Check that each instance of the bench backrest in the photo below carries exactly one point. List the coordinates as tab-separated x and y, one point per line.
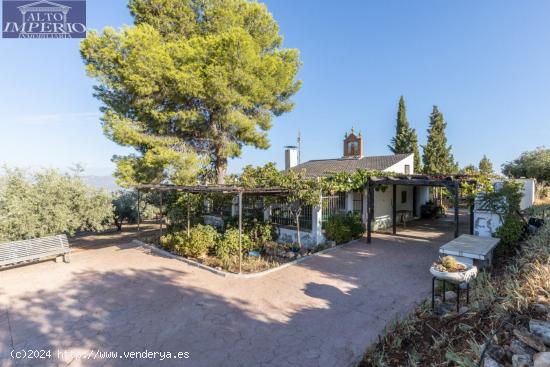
35	249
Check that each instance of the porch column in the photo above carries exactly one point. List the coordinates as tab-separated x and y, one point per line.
394	210
364	205
456	193
349	201
161	213
415	202
240	231
370	211
138	216
472	205
317	224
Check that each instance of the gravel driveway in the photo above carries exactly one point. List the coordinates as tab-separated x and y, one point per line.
322	312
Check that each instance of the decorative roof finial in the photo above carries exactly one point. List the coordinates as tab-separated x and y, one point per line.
352	130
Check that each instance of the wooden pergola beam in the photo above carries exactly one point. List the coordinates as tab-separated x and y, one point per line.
217	189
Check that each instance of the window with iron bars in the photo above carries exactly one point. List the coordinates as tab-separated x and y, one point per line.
284	217
333	205
253	207
358	202
336	205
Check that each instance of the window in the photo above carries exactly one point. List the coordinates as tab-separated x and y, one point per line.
284	217
403	197
407	169
353	148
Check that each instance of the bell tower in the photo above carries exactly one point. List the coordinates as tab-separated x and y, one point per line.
353	145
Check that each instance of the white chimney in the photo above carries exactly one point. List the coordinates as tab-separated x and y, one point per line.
291	157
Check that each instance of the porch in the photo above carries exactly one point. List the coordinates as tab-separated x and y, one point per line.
387	202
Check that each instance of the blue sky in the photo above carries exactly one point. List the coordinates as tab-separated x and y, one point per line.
485	64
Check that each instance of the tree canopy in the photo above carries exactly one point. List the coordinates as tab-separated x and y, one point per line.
189	85
437	156
486	166
405	140
531	164
469	170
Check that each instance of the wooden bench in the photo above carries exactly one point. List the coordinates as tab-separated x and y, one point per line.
18	252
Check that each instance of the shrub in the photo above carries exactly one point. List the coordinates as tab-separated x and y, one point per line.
449	264
229	244
174	242
260	234
201	239
344	228
511	230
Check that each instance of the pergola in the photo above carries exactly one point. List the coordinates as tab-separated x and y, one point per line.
450	182
210	189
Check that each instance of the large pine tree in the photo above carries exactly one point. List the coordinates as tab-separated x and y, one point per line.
437	156
405	139
189	85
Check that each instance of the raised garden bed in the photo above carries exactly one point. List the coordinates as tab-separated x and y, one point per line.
273	255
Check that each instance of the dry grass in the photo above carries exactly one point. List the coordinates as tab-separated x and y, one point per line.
502	298
528	278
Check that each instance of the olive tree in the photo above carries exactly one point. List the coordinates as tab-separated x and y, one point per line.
47	203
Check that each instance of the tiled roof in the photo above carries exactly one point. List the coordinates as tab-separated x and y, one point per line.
324	167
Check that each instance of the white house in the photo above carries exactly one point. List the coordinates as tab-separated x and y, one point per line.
409	198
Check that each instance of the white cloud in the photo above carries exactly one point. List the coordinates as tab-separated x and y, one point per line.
57	118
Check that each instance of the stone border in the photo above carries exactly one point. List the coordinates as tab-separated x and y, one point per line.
227	274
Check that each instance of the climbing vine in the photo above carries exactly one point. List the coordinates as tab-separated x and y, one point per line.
477	184
504	202
350	181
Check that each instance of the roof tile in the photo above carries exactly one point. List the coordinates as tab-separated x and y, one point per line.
324	167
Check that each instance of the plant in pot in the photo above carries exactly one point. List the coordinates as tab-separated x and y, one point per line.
448	268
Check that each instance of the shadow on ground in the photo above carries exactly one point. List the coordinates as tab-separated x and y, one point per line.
323	312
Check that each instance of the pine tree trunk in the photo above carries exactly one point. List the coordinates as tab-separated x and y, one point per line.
221	170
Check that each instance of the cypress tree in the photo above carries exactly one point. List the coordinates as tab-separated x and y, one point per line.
437	156
485	166
405	140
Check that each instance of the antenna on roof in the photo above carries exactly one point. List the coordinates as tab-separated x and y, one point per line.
299	140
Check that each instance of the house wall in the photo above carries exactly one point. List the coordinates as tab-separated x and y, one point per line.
290	236
486	224
422	197
308	238
399	167
528	199
383	204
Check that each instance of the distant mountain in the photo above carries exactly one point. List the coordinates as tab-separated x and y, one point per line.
102	182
